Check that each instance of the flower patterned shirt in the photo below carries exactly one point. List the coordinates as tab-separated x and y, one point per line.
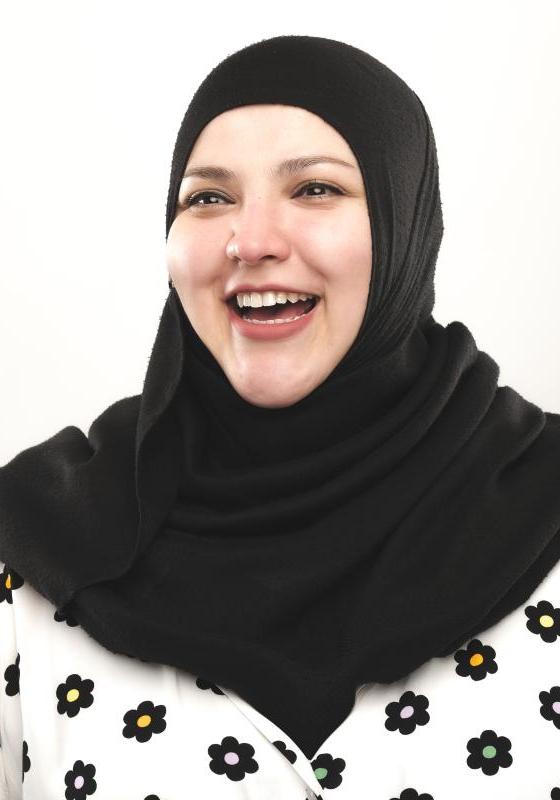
78	721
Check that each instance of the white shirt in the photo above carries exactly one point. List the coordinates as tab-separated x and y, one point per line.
78	721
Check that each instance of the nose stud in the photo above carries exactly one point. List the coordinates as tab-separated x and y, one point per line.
233	250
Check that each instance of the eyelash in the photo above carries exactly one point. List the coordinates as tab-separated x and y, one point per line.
189	200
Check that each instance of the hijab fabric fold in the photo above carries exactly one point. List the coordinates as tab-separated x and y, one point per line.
295	554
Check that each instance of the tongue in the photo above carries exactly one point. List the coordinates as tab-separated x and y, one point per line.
279	311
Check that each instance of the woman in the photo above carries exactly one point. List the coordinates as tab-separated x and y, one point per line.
322	534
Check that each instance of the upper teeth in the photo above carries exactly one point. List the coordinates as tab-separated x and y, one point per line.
258	299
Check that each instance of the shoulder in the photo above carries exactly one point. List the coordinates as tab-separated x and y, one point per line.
116	422
47	488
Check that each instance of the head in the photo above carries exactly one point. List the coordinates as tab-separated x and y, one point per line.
304	229
364	240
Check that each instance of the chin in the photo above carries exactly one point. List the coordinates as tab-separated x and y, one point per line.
261	393
267	399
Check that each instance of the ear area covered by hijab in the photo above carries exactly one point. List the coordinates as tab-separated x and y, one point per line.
405	504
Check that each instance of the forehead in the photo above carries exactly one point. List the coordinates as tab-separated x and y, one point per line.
269	130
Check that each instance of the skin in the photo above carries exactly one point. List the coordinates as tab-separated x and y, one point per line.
262	228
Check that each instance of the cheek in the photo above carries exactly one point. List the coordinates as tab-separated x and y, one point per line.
346	264
337	237
341	251
189	260
356	256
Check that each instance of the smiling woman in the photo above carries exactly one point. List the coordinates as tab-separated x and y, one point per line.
293	225
309	555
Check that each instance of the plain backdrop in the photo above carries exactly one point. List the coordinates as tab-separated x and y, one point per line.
93	94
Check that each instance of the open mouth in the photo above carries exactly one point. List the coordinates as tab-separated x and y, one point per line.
285	311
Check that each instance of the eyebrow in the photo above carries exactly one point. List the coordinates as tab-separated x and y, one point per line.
287	167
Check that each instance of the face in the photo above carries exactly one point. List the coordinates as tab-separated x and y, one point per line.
268	234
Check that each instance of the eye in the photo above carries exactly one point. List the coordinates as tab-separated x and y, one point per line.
316	185
193	199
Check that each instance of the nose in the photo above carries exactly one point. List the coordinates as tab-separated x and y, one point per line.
257	237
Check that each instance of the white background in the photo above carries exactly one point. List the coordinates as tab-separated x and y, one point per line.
93	94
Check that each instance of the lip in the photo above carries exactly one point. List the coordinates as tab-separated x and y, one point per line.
267	332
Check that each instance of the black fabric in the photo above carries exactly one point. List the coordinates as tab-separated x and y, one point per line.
294	554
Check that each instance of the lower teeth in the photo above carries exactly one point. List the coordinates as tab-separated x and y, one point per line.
272	321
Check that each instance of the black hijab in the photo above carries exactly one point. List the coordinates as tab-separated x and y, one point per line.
404	505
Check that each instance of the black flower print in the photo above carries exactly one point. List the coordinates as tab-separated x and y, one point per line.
9	581
476	660
25	760
406	713
74	694
544	619
412	794
489	752
11	674
152	797
550	708
143	721
290	755
555	793
232	758
204	684
63	615
327	770
79	781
